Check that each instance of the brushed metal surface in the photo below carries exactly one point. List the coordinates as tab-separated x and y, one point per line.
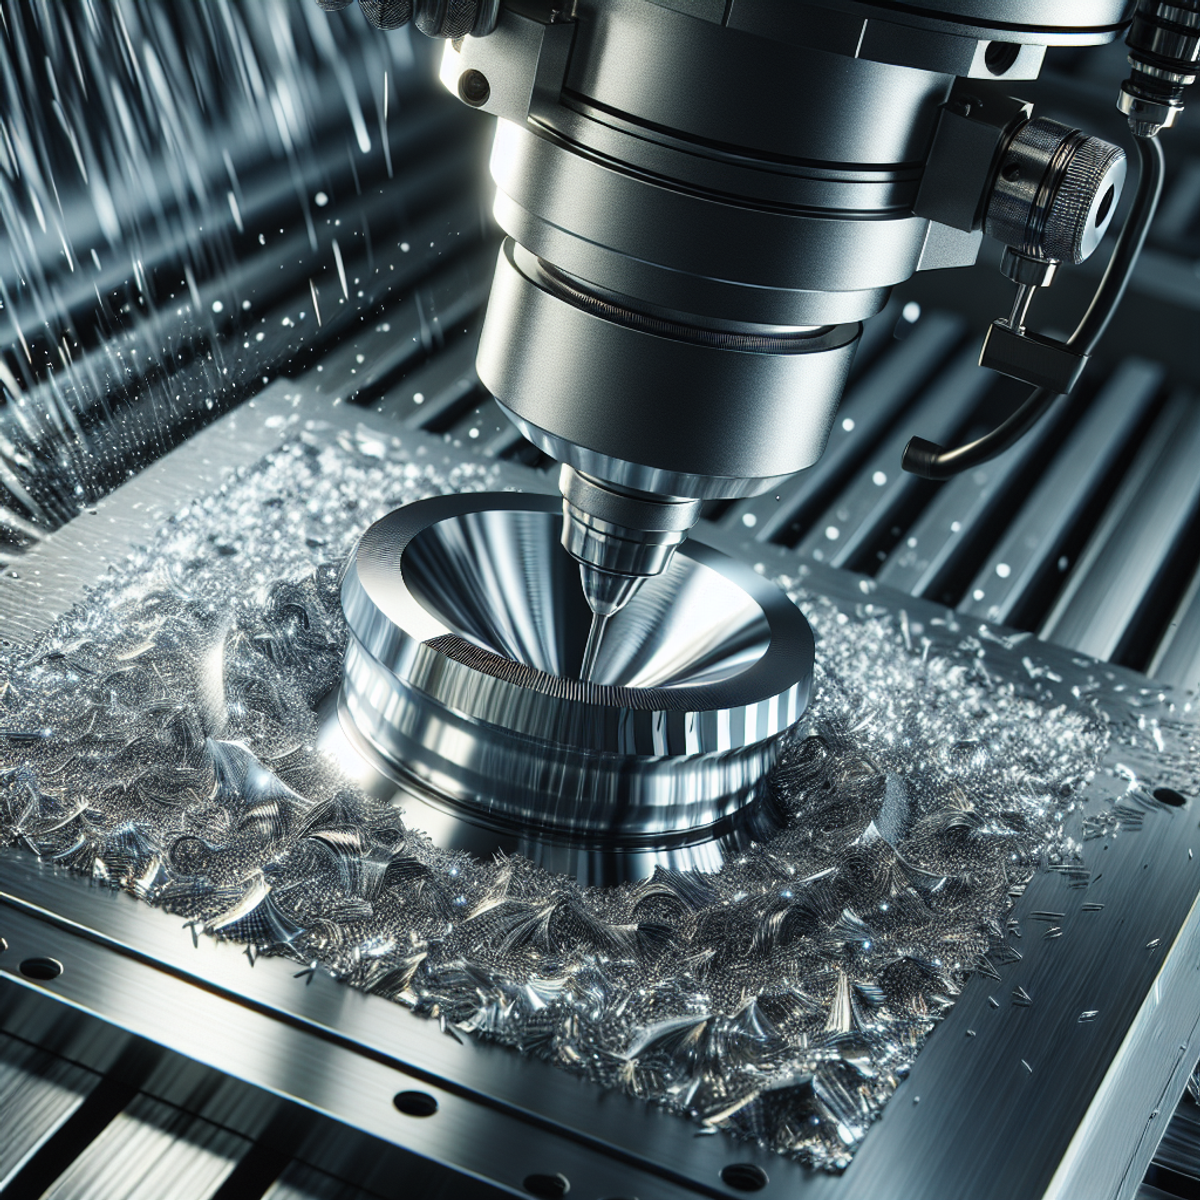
38	1093
151	1150
1080	1119
462	674
1130	546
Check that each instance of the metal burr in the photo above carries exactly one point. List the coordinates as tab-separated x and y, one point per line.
462	685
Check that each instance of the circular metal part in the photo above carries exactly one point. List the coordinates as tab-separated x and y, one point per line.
1147	118
684	242
622	532
1026	271
1057	22
650	411
1164	54
1164	40
467	631
1055	191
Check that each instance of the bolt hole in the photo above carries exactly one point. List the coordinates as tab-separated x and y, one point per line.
744	1177
999	57
1166	795
474	88
1105	206
1011	171
547	1187
415	1104
41	969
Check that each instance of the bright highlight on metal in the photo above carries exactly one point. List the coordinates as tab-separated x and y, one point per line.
462	679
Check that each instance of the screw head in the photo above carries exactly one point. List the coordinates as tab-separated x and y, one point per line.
473	88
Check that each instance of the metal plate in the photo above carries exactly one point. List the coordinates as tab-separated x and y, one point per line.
1007	1099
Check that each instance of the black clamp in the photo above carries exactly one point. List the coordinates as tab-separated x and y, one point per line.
1031	357
1011	349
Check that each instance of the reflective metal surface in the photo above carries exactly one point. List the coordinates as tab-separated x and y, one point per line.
462	682
38	1094
985	1125
618	537
981	1128
1145	522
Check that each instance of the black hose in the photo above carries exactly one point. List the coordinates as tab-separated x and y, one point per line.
931	461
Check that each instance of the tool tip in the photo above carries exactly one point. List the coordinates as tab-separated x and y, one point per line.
591	653
605	591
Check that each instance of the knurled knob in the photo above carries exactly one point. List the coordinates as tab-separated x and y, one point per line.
455	18
437	18
1056	191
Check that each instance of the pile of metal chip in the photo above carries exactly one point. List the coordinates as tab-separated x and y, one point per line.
162	739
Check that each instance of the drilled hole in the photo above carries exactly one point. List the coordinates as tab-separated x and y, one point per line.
3	945
415	1104
41	969
744	1177
1106	204
547	1187
1166	795
1000	56
1011	171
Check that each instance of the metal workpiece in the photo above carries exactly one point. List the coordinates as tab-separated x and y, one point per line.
1080	1079
461	681
1072	1047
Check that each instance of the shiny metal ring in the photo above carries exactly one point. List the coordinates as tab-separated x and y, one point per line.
467	627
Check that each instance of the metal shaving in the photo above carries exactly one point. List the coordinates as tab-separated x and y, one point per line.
162	739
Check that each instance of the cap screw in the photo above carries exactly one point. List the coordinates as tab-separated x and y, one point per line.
473	88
